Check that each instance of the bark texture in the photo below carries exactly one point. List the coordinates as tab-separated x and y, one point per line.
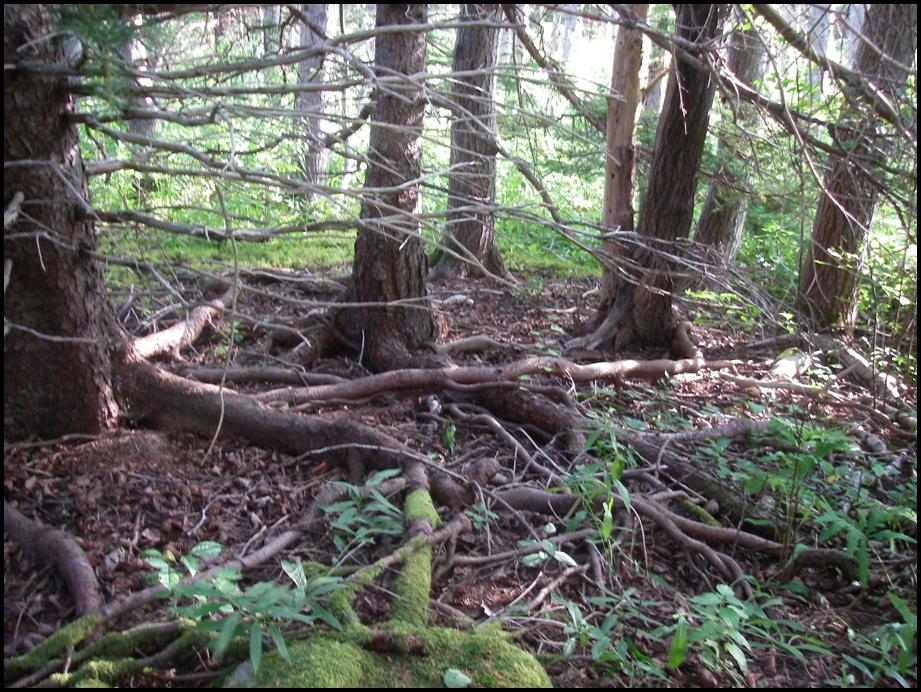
471	222
390	264
310	71
830	276
58	385
723	215
641	308
619	163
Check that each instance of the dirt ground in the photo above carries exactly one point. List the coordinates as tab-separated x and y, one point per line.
133	490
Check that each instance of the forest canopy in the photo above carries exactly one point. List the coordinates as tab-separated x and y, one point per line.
481	344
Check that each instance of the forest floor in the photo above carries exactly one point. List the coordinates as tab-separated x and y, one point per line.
601	611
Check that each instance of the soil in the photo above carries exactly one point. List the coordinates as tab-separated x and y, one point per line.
133	490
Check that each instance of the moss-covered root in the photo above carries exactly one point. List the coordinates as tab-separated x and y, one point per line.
417	657
699	513
405	652
413	585
54	647
418	505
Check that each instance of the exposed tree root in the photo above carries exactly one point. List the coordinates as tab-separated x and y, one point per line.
453	377
881	384
48	546
175	403
471	344
183	333
687	533
276	375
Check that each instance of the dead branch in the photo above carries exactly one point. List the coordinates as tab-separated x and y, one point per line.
184	333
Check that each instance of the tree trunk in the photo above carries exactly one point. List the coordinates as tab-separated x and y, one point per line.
471	220
830	276
310	70
58	387
57	372
723	215
390	264
270	29
641	308
619	163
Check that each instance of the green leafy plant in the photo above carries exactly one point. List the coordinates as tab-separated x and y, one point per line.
220	606
609	643
722	631
360	520
481	516
887	655
449	438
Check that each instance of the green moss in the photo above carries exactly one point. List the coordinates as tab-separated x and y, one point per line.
699	513
412	588
65	638
405	652
103	670
122	644
419	505
484	655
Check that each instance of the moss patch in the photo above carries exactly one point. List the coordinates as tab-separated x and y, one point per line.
485	656
65	638
419	505
405	652
412	588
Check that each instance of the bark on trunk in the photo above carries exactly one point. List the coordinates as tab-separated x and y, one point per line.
641	309
390	264
471	221
723	215
619	164
830	276
56	358
310	70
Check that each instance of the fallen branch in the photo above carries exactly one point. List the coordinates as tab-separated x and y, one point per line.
184	333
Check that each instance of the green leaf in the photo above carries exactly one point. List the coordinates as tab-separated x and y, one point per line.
600	646
192	564
624	494
228	632
206	549
564	558
279	639
455	679
326	616
679	646
295	572
909	617
255	646
739	657
169	577
607	523
381	476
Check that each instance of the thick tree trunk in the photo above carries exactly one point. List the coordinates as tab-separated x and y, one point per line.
310	70
56	359
390	264
830	276
641	308
71	384
471	221
723	215
619	163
